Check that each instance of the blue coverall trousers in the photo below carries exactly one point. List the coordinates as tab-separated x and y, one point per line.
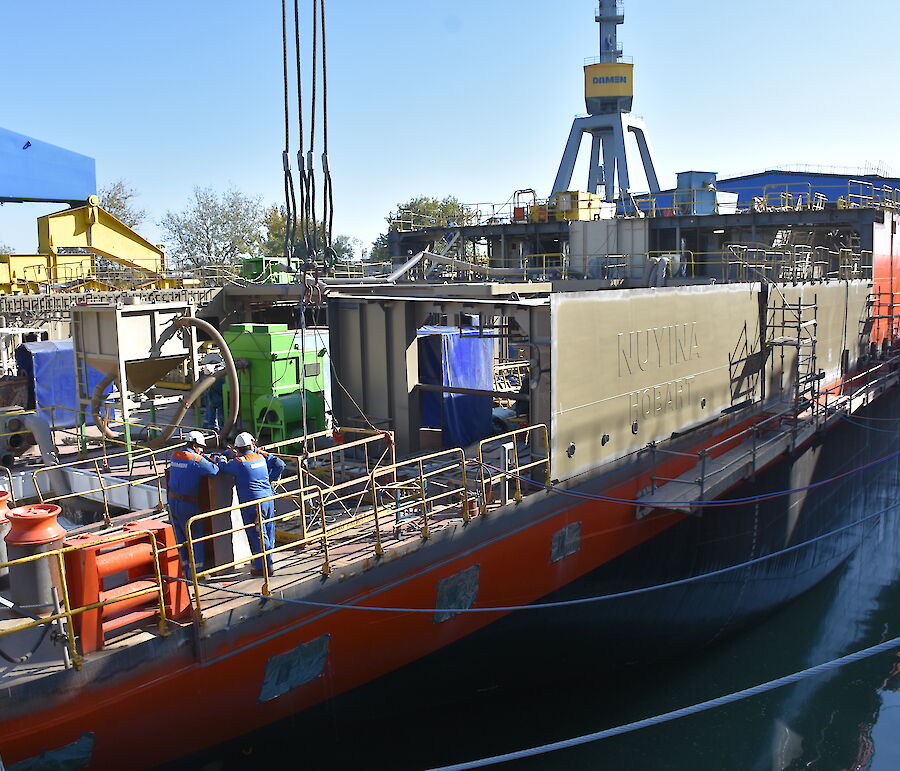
248	514
181	512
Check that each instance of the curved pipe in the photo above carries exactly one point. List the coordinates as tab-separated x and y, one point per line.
234	397
200	387
96	399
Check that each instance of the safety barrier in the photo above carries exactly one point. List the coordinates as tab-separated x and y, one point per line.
813	411
356	511
511	467
738	263
733	263
775	197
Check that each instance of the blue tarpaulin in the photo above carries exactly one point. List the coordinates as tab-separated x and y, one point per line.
51	364
449	356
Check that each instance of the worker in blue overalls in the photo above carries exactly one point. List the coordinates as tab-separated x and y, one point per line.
186	468
254	470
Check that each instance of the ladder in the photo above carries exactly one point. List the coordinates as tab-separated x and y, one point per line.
450	241
792	325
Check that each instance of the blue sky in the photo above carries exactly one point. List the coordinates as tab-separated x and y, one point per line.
472	98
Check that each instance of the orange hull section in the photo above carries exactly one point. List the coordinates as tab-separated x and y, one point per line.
172	707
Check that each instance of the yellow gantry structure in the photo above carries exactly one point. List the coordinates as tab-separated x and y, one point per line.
82	249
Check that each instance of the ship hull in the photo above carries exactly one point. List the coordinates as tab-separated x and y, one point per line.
198	691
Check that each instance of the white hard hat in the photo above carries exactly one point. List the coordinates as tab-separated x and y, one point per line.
243	439
196	437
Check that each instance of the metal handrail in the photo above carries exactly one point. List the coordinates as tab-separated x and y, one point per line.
515	435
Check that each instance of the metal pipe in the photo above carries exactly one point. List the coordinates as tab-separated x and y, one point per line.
511	395
234	399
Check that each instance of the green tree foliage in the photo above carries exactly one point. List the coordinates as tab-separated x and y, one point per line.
116	198
379	251
420	212
4	249
215	229
345	247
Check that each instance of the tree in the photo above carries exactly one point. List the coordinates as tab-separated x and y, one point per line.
215	229
345	247
116	198
379	251
420	212
4	249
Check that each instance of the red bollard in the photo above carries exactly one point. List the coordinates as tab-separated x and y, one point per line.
33	530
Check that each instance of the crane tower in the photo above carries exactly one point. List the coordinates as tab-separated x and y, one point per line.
608	92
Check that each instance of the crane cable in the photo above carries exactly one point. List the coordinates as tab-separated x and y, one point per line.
328	203
290	201
310	154
301	161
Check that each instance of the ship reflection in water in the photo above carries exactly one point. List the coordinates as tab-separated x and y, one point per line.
847	719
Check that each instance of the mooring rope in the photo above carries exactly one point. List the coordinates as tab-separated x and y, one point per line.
666	717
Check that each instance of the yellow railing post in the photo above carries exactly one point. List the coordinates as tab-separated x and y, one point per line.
326	565
106	518
11	501
192	561
163	630
548	480
379	549
159	505
515	450
67	607
465	487
424	495
481	480
36	487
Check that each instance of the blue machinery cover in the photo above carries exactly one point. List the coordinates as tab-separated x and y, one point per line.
32	170
51	365
462	359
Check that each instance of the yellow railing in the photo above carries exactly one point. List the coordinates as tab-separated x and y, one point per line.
546	264
740	263
354	513
360	269
387	496
490	474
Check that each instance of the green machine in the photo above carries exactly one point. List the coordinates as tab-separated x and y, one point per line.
266	270
270	388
